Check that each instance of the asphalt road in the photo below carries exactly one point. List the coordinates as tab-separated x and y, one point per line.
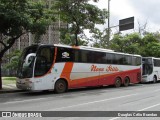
138	97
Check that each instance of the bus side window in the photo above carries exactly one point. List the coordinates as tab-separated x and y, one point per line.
134	61
98	57
84	56
138	61
128	60
118	59
109	58
158	63
77	55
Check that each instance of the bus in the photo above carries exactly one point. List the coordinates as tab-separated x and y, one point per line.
151	69
61	67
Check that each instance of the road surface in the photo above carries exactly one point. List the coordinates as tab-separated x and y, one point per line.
138	97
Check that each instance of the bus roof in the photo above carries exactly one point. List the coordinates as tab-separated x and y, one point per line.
151	58
90	48
94	49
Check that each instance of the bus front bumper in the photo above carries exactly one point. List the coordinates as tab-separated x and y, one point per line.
144	79
24	84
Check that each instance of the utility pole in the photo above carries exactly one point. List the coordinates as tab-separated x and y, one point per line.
108	22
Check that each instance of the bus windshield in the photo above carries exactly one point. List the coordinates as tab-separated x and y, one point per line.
35	61
44	60
147	66
26	62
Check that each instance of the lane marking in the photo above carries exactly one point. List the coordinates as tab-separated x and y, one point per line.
100	100
13	102
115	118
92	102
138	110
149	107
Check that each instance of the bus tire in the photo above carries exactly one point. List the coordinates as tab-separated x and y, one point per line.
126	81
60	86
154	79
118	82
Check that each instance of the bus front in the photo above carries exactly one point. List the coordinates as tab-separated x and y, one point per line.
34	63
147	69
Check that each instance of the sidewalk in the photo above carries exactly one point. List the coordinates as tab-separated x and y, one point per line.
10	88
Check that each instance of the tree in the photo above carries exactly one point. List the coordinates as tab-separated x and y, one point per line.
79	15
69	39
128	43
117	43
152	49
13	59
147	45
18	17
147	41
100	38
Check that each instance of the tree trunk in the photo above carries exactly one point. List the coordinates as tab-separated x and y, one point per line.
2	52
76	37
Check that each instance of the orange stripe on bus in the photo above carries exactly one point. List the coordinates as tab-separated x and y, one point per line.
67	70
88	79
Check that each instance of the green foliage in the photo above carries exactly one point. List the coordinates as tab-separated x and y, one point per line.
13	59
18	17
148	38
69	39
127	43
9	78
135	44
79	15
100	38
152	49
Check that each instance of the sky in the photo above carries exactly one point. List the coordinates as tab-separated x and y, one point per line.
144	11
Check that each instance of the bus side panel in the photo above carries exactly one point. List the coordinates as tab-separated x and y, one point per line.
108	77
157	70
82	76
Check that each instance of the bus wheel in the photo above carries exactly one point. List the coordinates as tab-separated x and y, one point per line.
154	79
60	86
117	82
126	81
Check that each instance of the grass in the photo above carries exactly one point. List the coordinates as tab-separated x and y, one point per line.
8	80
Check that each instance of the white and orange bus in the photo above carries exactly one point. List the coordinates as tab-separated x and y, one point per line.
60	67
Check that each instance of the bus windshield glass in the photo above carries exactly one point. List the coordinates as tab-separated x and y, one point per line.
26	62
147	66
44	60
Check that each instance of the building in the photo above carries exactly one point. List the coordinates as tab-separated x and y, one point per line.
52	35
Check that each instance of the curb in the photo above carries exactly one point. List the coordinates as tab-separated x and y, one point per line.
10	91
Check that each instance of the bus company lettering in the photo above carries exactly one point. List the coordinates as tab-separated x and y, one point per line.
109	68
112	69
96	69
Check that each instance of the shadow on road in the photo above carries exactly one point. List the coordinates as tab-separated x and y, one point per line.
90	90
